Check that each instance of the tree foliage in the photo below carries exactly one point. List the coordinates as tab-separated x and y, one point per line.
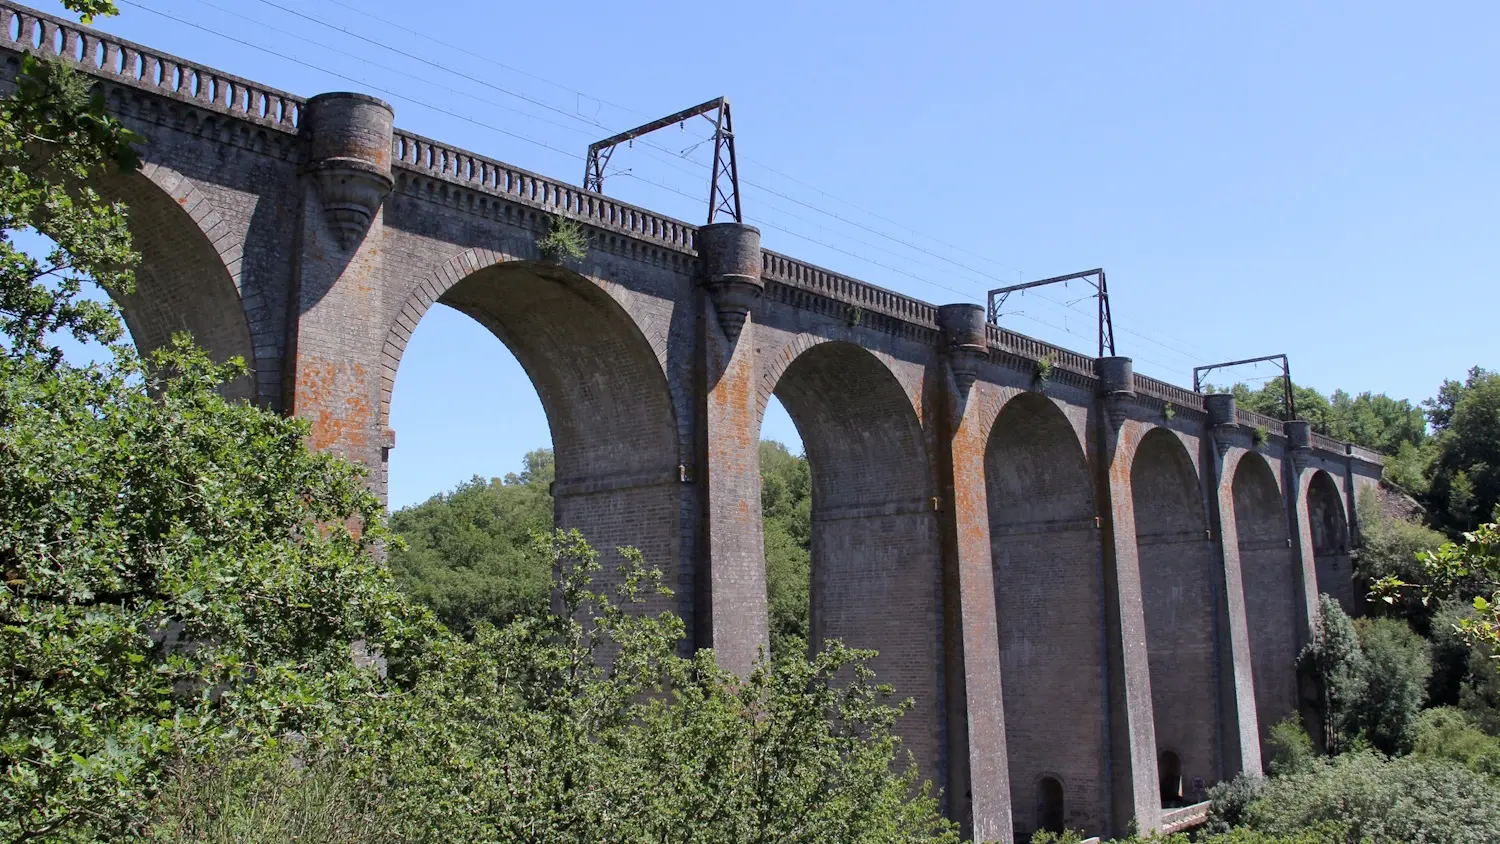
467	553
1334	658
1375	421
586	724
786	508
1381	801
1398	665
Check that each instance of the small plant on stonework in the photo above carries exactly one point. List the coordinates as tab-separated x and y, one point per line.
564	239
1044	368
856	316
1260	436
1168	411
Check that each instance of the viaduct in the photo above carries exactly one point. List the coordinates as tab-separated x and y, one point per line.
1094	586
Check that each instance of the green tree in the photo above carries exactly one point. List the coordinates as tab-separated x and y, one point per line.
1465	483
1392	547
1334	659
467	553
1381	801
1449	734
584	723
1374	421
1397	666
786	508
177	569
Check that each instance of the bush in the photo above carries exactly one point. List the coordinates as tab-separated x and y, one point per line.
1230	800
1448	734
1395	801
1397	667
1291	749
1336	662
268	797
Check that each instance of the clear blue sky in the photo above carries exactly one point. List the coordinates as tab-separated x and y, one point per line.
1311	178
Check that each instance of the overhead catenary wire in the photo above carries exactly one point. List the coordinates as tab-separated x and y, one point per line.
1196	354
334	73
594	123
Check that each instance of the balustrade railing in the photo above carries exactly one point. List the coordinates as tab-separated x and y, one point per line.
1178	396
815	279
1030	347
488	174
23	29
1257	420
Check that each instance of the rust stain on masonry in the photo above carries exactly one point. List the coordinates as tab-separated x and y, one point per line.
332	397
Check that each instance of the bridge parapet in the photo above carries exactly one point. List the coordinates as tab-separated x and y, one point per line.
856	293
414	152
1170	393
1258	420
138	66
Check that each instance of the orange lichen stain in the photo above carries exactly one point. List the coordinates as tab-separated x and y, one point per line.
332	397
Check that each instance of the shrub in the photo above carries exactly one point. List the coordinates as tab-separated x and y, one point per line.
1395	801
1291	748
565	238
1397	667
1448	734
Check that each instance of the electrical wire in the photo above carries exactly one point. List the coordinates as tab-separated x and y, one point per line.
594	123
347	78
645	143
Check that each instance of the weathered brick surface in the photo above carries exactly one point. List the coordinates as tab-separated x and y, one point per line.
1329	525
1177	562
1268	569
1039	576
1049	594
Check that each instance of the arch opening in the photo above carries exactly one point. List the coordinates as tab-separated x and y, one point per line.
875	548
1177	561
608	410
181	283
1268	574
1330	540
1169	775
1049	594
1051	815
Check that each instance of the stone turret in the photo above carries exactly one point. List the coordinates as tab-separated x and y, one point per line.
350	158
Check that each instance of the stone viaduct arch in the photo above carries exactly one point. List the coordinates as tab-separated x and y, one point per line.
183	282
876	555
1049	604
1269	572
614	431
1177	561
1330	540
1035	563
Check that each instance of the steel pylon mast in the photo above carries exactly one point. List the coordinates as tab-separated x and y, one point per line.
724	180
1286	378
1094	278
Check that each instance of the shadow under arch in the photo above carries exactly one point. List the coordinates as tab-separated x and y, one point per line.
182	282
1049	604
1330	540
1177	563
876	553
1268	571
613	425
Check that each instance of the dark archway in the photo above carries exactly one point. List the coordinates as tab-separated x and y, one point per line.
1330	540
1177	560
614	431
1169	775
1268	572
1049	597
181	283
876	553
1051	811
